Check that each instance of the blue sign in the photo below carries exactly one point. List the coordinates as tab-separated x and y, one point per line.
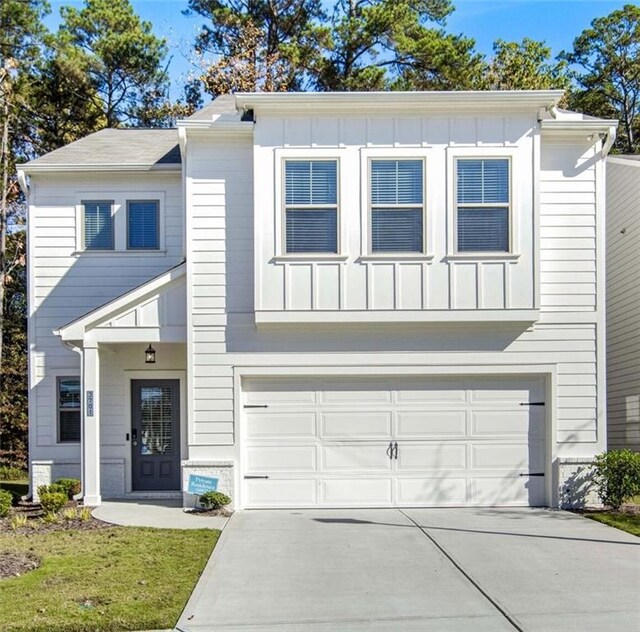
201	484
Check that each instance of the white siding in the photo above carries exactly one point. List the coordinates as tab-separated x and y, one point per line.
66	284
359	284
623	303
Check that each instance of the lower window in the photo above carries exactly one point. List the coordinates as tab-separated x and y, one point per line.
68	398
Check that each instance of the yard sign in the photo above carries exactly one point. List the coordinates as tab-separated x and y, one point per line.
201	484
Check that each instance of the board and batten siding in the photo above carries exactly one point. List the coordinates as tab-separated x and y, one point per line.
66	284
362	282
623	302
223	176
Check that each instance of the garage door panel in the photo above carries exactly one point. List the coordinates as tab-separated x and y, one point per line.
282	425
281	493
355	425
500	456
436	491
356	458
506	391
429	391
507	491
259	392
281	459
498	423
357	492
354	392
431	423
432	456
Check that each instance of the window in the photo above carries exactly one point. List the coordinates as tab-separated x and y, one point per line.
143	225
68	393
482	205
311	206
98	225
397	206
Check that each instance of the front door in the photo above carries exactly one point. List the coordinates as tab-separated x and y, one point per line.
155	434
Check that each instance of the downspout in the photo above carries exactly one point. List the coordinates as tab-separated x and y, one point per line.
610	139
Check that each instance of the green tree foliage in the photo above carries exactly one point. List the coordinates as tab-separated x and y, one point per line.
606	61
13	374
525	65
260	44
119	56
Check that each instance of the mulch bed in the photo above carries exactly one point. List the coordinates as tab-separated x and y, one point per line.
36	525
14	564
199	511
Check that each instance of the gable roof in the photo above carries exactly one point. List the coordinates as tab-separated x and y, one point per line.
222	108
135	148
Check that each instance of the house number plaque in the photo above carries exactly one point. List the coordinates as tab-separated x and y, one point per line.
89	403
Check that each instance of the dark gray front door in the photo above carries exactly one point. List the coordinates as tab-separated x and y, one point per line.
155	434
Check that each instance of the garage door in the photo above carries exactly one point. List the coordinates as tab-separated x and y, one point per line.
393	442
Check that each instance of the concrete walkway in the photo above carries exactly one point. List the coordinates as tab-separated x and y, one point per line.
160	514
424	570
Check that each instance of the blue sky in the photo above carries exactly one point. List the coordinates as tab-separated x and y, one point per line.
557	22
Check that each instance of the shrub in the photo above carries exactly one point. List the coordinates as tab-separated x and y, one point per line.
214	500
54	488
617	476
19	521
71	485
12	474
6	500
71	513
84	514
53	501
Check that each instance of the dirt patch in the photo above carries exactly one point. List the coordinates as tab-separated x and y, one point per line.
15	564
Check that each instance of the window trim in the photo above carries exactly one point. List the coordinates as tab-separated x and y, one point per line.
83	225
370	208
281	251
483	153
58	377
128	210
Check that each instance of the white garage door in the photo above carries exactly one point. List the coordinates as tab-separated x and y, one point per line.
393	442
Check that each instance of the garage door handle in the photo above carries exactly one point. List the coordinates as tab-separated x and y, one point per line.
395	451
256	477
532	474
390	450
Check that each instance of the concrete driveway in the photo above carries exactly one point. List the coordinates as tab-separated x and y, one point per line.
416	570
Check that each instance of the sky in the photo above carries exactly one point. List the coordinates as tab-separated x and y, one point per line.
557	22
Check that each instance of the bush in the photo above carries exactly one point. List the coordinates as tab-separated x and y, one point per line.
12	474
617	476
53	502
71	486
6	500
214	500
54	488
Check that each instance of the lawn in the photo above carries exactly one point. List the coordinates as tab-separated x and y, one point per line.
120	578
625	521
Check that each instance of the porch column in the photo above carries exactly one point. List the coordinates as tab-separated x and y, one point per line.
91	425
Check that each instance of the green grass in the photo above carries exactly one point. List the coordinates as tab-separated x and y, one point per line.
627	522
123	578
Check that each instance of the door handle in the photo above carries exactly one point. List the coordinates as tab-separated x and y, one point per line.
390	450
395	451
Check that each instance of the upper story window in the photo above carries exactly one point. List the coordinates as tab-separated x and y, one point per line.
68	409
98	224
143	225
397	206
311	206
483	201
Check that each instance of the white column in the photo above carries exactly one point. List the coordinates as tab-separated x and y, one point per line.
91	425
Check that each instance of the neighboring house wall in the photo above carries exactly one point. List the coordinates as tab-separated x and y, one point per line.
65	283
623	302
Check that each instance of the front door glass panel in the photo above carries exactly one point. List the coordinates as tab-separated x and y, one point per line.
156	420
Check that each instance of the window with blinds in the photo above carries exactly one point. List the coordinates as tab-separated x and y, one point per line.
483	205
68	409
311	206
143	231
98	224
397	206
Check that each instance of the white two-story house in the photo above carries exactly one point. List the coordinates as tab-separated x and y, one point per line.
324	300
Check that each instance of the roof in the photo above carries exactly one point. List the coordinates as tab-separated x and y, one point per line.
223	108
115	148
